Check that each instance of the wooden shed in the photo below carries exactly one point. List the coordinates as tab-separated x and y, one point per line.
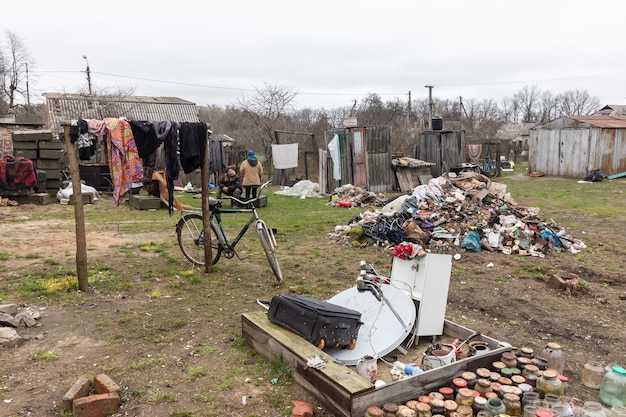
365	159
571	146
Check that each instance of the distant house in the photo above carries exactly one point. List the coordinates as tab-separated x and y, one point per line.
573	145
515	133
613	110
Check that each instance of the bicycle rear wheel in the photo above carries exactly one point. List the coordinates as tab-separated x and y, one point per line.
267	242
190	235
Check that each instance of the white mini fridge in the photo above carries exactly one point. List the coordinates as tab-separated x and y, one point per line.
426	279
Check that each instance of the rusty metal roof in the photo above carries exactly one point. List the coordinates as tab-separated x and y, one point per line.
601	120
62	106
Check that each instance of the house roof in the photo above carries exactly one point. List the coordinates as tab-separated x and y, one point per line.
602	120
79	106
613	110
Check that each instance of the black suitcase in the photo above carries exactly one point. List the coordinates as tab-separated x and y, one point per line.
322	323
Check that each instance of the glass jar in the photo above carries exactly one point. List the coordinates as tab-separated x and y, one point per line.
618	410
509	359
526	352
423	410
437	406
374	412
450	407
529	410
465	396
553	355
548	383
465	411
457	384
529	398
512	404
483	386
495	406
479	404
592	375
613	389
447	392
593	409
522	361
390	409
552	399
470	379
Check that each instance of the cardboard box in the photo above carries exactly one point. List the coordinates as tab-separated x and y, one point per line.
338	387
144	202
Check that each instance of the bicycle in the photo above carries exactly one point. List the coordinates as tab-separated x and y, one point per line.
190	233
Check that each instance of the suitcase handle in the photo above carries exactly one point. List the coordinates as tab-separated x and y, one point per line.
263	303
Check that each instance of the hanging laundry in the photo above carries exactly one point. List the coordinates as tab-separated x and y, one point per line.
193	138
285	156
124	163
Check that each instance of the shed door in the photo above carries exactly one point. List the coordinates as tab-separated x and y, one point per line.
359	158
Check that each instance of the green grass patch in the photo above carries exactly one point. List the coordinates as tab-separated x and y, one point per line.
48	355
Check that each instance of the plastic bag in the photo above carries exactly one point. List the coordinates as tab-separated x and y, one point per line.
471	242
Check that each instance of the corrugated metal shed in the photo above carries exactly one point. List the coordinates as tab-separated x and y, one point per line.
571	146
375	169
445	148
76	106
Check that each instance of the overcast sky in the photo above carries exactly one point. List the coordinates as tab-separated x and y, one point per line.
329	52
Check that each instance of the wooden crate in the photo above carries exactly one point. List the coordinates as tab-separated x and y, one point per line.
144	202
339	388
87	198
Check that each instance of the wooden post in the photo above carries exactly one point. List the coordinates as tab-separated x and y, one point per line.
206	213
79	216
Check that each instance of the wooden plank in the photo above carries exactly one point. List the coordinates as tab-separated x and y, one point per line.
338	387
405	180
334	385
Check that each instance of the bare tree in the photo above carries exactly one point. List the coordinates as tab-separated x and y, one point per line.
266	111
527	100
577	103
14	63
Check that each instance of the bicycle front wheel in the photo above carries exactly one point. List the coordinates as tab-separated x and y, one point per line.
267	242
190	235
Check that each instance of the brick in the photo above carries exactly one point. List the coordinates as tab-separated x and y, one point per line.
99	405
302	409
103	384
78	390
53	144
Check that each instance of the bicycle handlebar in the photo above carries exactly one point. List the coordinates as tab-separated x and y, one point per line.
248	202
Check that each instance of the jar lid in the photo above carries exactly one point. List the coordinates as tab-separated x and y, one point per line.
551	373
562	377
465	410
483	372
509	355
483	382
542	412
511	397
450	405
422	407
554	346
459	382
437	403
467	375
435	395
390	407
448	391
518	379
531	368
618	370
374	412
504	380
466	392
526	350
498	365
480	400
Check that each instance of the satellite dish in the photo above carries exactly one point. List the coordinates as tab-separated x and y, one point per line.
386	322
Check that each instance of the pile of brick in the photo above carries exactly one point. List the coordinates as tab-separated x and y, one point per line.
99	399
11	319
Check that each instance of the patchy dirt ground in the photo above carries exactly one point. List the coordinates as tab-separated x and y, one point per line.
510	301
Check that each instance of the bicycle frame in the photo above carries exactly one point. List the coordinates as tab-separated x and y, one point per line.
216	218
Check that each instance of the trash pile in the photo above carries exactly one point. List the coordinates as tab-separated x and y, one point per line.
351	196
470	212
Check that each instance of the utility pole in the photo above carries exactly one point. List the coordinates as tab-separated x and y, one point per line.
408	114
27	90
430	105
88	74
460	112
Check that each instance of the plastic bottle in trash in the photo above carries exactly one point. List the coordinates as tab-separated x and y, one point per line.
407	368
